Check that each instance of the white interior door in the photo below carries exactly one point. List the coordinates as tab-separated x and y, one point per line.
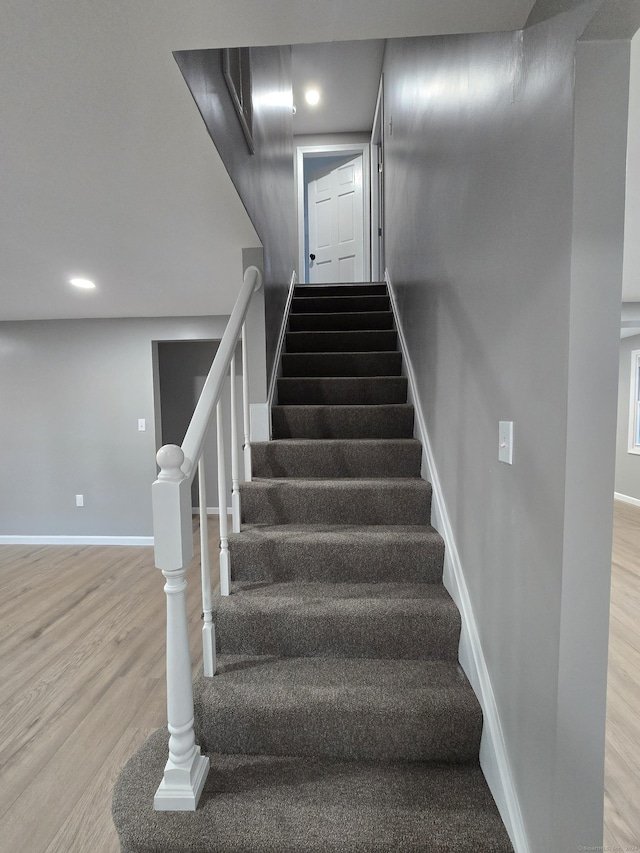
336	224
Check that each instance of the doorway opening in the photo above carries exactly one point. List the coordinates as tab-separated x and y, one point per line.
180	371
334	213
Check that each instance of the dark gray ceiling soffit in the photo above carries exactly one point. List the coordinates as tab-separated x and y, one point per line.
615	19
612	19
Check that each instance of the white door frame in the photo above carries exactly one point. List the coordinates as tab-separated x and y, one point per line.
308	151
377	188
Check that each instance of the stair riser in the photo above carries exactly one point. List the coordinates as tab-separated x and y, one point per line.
337	562
353	341
326	422
308	503
347	321
342	364
331	304
342	391
336	459
431	634
366	289
442	730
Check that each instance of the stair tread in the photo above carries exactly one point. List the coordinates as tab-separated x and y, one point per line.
291	805
309	390
375	533
391	500
345	406
368	681
337	457
329	364
338	620
354	482
337	485
341	321
354	340
339	442
337	553
320	595
349	303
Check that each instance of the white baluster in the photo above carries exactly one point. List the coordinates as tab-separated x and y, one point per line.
245	405
225	568
235	490
208	628
186	770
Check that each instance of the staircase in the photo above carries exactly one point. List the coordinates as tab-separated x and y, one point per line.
339	719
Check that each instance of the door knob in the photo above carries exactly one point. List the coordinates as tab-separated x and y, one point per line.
312	256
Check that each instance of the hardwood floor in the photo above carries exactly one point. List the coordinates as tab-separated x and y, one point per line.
622	762
82	685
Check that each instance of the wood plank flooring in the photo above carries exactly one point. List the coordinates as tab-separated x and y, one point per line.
82	685
622	759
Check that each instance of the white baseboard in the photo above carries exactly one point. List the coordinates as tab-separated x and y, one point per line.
626	499
279	348
144	541
211	510
494	758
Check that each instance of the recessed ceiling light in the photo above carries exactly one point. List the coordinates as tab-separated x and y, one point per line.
84	283
312	97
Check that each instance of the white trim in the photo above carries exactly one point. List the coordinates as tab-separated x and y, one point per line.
376	196
143	541
627	499
211	510
260	423
362	148
634	393
277	362
494	758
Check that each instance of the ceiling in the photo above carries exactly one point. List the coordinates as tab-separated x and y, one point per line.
107	171
347	74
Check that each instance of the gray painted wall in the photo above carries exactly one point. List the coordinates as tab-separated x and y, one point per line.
483	251
71	394
631	276
600	132
627	464
264	180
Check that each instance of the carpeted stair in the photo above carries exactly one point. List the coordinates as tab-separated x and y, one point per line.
339	719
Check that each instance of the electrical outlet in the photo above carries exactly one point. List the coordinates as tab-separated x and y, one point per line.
505	442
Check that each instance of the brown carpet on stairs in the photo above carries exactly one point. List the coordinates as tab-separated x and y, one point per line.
339	719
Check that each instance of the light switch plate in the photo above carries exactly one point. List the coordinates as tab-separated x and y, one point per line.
142	424
505	442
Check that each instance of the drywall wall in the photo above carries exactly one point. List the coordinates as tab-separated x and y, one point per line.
72	394
264	180
631	276
479	160
627	481
600	134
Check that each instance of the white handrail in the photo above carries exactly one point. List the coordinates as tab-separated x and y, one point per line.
245	410
205	409
186	769
235	493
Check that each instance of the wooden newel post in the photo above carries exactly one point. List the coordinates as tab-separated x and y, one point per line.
186	770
